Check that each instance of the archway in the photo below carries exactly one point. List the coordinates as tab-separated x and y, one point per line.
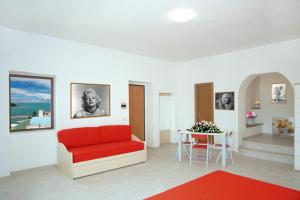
267	112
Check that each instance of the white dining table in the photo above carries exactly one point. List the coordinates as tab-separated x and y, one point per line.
186	133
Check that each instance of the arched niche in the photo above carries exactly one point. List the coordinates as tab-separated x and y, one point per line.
243	130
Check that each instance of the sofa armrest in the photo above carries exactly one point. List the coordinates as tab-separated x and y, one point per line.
64	160
134	138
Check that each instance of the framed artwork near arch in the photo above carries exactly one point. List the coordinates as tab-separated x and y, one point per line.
224	101
279	93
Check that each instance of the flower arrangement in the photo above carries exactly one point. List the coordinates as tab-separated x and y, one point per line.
205	127
251	114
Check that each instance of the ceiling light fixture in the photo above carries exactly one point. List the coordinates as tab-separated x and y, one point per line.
182	15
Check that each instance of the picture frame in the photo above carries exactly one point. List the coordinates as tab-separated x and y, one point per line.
31	103
89	100
279	93
224	101
283	125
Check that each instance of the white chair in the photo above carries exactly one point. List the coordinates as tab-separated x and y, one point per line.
229	144
185	143
198	145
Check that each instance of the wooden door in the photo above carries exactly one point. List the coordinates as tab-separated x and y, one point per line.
204	104
137	110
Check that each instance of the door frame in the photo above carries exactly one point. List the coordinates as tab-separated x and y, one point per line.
173	133
134	84
211	84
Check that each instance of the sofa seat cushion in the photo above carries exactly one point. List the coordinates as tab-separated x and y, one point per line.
104	150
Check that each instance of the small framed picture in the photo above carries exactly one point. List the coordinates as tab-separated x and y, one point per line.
224	101
90	100
30	102
279	93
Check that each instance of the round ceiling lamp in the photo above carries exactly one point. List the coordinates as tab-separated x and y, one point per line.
182	15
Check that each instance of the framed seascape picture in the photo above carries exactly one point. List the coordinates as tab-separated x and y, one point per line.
224	101
90	100
279	93
30	102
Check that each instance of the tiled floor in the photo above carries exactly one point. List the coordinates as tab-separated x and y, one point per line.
271	139
159	173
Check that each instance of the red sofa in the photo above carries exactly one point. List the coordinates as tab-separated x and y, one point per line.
89	150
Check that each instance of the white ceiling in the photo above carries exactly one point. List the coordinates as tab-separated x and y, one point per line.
142	26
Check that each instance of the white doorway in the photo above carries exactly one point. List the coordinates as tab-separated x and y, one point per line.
167	118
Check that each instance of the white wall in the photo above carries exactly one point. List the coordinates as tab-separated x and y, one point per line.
228	71
71	62
270	109
165	110
252	94
242	109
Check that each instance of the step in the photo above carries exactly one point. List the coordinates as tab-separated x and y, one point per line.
269	147
266	155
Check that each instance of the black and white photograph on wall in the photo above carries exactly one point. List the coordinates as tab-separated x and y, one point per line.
279	93
224	101
90	100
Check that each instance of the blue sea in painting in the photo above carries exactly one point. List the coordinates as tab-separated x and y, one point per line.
26	109
28	95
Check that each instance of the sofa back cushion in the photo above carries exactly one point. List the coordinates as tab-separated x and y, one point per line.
115	133
77	137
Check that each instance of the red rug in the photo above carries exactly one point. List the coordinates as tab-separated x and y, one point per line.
221	185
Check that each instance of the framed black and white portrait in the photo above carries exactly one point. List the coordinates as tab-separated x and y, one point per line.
224	101
90	100
279	93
